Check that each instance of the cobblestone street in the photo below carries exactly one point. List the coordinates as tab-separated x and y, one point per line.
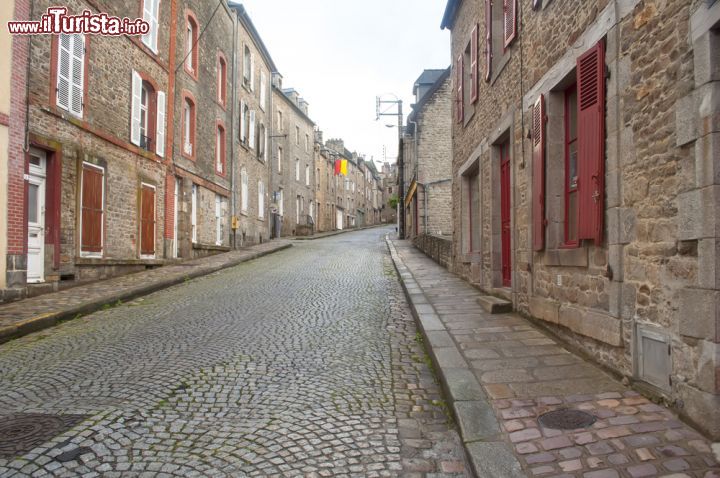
303	363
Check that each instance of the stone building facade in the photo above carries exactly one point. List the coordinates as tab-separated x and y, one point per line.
324	186
293	169
427	157
254	102
388	186
584	180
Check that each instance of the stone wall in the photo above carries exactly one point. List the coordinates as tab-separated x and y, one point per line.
651	281
438	248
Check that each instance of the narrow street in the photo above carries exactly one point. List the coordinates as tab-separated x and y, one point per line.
306	362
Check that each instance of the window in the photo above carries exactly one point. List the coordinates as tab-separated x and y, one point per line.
279	121
188	128
220	149
307	175
93	208
279	159
219	233
193	212
459	89
71	73
191	51
317	178
263	90
509	21
244	192
148	115
297	210
244	120
307	142
311	213
297	134
261	200
571	167
251	129
247	62
151	14
262	140
297	169
222	79
281	200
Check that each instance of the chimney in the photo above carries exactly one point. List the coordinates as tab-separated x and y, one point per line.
277	80
303	106
318	136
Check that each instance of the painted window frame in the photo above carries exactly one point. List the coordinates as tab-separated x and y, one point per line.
191	62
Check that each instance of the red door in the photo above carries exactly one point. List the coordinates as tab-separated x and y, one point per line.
147	220
505	213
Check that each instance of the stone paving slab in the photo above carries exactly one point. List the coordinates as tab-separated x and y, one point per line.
521	373
30	315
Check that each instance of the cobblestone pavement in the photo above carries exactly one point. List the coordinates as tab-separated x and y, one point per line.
303	363
526	373
40	312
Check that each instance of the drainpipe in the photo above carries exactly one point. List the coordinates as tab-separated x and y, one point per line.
233	197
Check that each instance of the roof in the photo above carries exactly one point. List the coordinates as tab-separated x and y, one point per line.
427	77
250	27
293	105
449	16
426	97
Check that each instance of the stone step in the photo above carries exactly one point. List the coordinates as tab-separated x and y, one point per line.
494	305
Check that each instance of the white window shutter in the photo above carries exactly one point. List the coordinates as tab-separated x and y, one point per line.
263	90
160	133
243	138
77	77
135	113
63	76
265	149
151	14
251	132
252	72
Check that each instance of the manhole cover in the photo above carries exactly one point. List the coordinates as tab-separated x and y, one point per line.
566	419
21	433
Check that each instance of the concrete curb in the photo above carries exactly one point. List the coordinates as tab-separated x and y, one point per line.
51	319
489	454
335	233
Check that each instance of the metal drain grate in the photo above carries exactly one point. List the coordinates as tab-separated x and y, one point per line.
22	432
566	419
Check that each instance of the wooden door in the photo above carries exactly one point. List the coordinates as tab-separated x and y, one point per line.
147	221
505	214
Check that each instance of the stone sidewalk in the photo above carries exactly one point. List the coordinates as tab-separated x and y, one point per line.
30	315
501	373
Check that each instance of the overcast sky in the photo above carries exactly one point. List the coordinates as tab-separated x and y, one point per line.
340	54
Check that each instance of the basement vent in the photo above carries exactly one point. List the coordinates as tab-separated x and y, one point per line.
652	360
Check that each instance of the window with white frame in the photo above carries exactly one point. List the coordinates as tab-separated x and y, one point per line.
193	212
263	90
307	175
281	202
261	200
218	220
151	14
244	191
251	130
297	169
71	73
280	159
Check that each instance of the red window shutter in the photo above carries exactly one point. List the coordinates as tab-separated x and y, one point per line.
591	142
92	209
509	20
474	64
488	39
147	221
460	86
538	172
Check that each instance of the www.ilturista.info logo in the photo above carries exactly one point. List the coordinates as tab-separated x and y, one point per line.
57	21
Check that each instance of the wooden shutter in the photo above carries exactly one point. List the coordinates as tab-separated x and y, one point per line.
252	72
538	172
509	20
459	88
243	138
488	39
77	78
591	142
474	64
147	220
251	130
160	133
63	71
92	209
135	108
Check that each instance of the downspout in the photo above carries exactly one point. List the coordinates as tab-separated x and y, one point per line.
233	194
417	162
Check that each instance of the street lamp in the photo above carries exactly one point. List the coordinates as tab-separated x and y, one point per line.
401	180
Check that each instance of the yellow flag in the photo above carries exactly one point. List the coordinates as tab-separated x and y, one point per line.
343	167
